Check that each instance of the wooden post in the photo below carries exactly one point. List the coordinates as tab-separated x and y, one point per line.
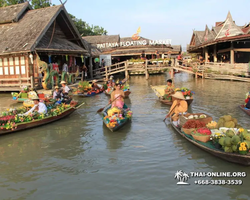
82	76
91	67
215	53
126	70
32	81
232	53
196	75
20	81
106	72
146	70
206	54
172	73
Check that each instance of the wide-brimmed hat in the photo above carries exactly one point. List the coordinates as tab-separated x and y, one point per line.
63	82
35	98
94	81
111	77
56	87
178	95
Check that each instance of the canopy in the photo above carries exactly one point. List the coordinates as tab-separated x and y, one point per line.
159	90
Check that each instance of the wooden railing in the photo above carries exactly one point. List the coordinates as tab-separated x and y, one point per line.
28	82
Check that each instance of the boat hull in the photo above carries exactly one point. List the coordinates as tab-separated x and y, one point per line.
87	95
231	157
36	123
242	107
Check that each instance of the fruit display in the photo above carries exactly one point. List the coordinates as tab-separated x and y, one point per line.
193	124
212	125
228	121
235	141
202	116
201	134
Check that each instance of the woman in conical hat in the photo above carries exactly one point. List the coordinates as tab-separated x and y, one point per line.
178	107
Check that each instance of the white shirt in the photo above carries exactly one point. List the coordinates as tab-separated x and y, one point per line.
66	89
65	67
42	109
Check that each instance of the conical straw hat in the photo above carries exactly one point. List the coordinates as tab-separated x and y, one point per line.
178	95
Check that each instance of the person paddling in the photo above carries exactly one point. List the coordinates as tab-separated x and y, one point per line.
178	107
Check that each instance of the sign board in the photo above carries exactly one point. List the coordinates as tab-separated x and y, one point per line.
107	59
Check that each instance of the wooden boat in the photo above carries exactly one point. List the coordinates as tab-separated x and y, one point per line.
210	148
247	111
126	93
87	94
167	102
126	120
39	122
24	96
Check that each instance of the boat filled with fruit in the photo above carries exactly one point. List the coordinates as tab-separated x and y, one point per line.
125	89
160	91
85	89
115	118
14	119
225	139
244	109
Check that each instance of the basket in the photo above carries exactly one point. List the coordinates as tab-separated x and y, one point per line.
187	130
206	120
201	138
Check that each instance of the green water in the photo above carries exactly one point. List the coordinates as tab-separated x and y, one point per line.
78	158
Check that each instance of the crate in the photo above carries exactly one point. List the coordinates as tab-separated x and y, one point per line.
206	120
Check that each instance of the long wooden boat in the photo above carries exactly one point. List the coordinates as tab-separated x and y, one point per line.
126	120
21	100
126	93
247	111
167	102
87	95
210	148
39	122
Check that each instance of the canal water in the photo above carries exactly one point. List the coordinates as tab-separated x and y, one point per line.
78	158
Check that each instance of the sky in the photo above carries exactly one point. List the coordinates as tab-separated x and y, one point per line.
158	19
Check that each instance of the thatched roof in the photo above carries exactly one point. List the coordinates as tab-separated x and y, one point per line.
13	13
99	39
34	29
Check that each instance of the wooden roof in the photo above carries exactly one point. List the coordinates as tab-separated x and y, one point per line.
223	31
99	39
34	30
13	13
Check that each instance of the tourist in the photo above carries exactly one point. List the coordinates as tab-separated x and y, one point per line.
57	93
178	107
95	86
103	64
38	106
169	90
65	88
247	101
65	67
119	94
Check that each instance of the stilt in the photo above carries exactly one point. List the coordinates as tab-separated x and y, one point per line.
146	70
126	70
196	75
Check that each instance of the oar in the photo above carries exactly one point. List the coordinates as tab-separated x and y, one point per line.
169	112
101	109
80	105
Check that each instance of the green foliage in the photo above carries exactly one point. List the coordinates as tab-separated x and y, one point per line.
85	29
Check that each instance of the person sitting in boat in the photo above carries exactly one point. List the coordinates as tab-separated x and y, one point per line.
65	88
247	101
117	97
169	90
57	93
95	87
178	107
38	106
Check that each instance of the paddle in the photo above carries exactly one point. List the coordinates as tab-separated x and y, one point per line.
80	105
101	109
169	112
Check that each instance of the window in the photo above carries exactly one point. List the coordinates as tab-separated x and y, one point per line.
16	60
1	62
12	70
22	69
1	70
6	70
11	61
17	70
22	60
5	62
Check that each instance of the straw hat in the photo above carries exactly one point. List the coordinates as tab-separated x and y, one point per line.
63	82
56	87
35	98
178	95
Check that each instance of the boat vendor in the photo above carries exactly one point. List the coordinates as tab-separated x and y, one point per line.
56	93
119	94
178	107
247	101
169	90
95	86
65	88
38	106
